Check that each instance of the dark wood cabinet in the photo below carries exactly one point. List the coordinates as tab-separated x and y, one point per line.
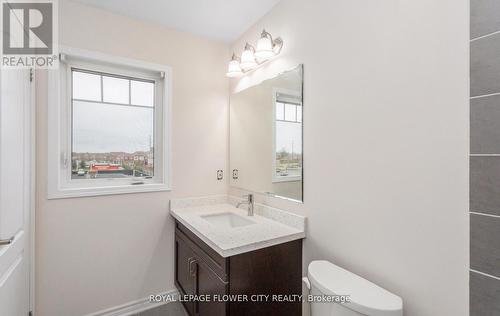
201	271
185	276
210	284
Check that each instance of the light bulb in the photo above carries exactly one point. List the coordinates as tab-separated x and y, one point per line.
247	58
265	46
234	69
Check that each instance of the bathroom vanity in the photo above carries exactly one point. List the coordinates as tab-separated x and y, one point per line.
220	251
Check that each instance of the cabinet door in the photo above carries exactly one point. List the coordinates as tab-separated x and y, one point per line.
210	284
185	271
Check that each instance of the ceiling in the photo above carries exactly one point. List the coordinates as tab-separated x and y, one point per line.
223	20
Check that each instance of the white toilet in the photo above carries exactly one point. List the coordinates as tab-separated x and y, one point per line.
366	298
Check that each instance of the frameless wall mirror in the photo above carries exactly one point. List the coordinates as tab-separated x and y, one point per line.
266	136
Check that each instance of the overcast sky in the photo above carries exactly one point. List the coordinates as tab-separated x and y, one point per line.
103	128
289	137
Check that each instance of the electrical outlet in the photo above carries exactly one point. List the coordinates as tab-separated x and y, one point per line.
235	174
220	174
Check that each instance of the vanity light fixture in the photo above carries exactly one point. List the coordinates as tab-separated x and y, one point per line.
234	69
251	58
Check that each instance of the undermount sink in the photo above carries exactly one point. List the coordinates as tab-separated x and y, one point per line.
227	220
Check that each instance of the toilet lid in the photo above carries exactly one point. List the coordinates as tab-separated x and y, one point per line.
365	297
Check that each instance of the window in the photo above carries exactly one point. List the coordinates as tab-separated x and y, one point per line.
112	126
108	126
287	152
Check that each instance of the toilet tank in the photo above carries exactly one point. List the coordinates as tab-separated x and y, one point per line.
329	309
366	298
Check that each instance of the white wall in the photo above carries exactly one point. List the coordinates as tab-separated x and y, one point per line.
95	253
385	140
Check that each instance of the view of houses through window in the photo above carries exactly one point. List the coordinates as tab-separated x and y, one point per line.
288	140
112	126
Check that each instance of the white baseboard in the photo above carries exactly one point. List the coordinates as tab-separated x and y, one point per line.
134	307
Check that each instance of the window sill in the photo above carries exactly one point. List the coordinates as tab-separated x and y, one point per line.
64	193
287	179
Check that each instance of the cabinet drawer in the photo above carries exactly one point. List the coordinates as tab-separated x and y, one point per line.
211	258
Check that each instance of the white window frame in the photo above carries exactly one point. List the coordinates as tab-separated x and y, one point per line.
276	91
60	184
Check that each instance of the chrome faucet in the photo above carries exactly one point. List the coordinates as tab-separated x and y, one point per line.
250	203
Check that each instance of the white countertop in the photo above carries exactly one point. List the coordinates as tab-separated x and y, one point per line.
271	226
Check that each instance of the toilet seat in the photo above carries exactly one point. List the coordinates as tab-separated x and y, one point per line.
366	297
